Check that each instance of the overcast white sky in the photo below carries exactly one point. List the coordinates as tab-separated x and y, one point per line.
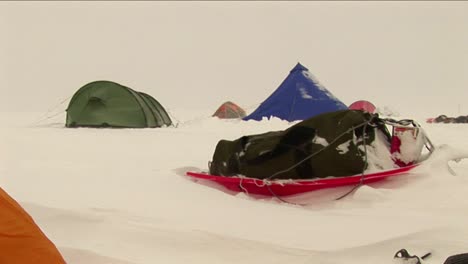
412	56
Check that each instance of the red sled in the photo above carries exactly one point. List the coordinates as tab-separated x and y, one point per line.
291	187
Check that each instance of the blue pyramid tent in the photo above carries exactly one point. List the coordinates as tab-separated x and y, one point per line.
299	97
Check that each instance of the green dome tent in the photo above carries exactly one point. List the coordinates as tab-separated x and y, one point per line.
109	104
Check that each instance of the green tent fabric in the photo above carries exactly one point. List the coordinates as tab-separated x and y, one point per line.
109	104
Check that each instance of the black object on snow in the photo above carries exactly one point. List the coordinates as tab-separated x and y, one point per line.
457	259
404	255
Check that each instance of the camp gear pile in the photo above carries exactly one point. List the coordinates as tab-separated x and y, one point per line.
330	144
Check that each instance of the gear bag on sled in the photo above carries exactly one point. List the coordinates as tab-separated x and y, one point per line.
331	144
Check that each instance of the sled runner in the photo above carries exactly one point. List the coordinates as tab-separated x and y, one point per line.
291	187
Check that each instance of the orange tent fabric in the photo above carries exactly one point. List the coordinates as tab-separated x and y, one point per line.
229	110
21	240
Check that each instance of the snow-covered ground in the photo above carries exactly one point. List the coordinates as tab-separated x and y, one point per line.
120	196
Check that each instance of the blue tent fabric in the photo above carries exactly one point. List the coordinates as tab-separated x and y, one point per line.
299	97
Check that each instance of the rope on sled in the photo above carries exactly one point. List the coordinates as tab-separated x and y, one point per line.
364	124
392	122
242	187
404	122
389	121
361	181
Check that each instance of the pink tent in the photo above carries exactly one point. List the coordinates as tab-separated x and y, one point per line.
363	105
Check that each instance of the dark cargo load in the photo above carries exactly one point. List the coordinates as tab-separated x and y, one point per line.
331	144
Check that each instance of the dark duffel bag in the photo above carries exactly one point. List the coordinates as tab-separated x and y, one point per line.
331	144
